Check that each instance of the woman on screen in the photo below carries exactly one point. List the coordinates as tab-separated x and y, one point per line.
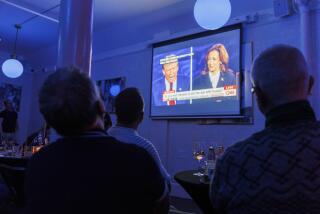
216	73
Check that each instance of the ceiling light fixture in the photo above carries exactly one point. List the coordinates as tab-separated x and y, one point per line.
212	14
13	68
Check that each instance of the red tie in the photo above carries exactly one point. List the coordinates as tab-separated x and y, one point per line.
171	102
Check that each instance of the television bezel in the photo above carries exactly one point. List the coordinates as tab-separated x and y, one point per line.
196	36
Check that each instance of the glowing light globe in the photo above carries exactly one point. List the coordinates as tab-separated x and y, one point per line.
114	90
212	14
12	68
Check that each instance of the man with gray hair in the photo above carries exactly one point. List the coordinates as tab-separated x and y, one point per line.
87	171
277	169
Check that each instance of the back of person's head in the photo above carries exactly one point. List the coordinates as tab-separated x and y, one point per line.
129	106
69	101
280	75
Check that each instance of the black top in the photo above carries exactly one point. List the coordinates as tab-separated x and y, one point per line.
92	173
275	170
290	113
9	122
203	81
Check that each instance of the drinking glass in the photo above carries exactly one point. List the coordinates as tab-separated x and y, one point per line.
198	154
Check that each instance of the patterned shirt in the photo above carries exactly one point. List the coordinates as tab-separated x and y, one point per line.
276	170
128	135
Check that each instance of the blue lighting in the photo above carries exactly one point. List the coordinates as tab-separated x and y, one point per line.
212	14
12	68
115	90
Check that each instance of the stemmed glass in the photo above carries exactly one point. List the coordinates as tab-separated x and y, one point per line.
198	154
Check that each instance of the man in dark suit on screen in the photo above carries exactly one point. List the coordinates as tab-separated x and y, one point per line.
170	82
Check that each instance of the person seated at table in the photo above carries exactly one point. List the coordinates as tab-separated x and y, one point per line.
87	171
9	123
129	106
275	170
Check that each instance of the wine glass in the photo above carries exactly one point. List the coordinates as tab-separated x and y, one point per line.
198	154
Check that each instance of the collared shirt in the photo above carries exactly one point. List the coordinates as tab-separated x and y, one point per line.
174	86
290	113
276	170
131	136
214	78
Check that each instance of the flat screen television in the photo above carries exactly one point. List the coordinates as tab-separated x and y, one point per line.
197	76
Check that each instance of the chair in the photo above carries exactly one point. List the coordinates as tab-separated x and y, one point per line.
14	178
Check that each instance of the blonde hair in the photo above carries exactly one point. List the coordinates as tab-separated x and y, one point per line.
223	56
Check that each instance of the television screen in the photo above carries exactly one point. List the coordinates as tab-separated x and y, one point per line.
197	76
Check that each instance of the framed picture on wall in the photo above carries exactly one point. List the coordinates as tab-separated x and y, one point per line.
109	89
12	93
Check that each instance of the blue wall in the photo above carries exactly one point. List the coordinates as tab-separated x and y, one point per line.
173	138
124	50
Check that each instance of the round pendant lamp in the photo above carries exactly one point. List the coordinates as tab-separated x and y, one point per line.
115	90
212	14
13	68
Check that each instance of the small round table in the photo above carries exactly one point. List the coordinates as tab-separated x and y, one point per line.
197	189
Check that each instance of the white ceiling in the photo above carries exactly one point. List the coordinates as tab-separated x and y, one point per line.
39	33
105	11
111	10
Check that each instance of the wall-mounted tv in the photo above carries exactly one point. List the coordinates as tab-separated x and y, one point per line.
197	76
